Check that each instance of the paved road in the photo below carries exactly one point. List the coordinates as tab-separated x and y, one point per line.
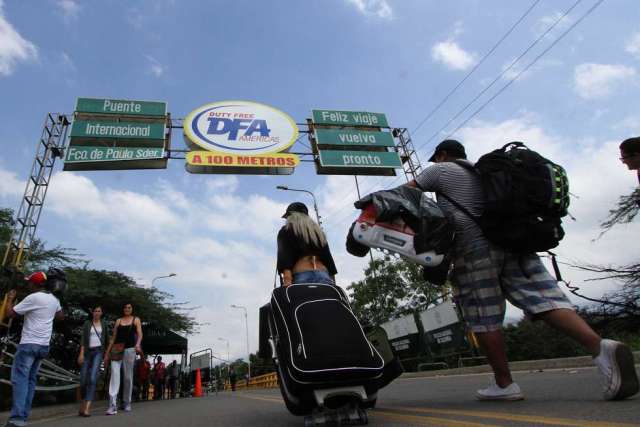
562	398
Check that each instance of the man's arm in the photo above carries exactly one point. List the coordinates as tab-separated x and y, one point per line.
8	310
59	315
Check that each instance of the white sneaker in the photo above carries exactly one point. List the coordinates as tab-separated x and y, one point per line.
617	367
495	392
111	411
127	408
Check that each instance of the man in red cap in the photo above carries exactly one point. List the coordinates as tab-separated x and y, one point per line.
39	309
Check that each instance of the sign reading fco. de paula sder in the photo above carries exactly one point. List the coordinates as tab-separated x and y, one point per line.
240	137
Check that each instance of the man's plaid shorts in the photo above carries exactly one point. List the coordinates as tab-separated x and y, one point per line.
484	275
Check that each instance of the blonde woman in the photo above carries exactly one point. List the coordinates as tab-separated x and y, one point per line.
303	252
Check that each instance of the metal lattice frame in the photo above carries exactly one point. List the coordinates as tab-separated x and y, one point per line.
49	147
408	155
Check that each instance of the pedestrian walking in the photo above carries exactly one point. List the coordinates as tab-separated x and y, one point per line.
486	275
39	309
233	378
143	374
92	347
159	373
303	251
173	378
125	343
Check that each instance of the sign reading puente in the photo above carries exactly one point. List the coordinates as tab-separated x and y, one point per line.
111	134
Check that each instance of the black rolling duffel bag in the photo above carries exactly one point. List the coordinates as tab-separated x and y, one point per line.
320	343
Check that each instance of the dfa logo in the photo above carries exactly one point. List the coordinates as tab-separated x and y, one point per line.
240	127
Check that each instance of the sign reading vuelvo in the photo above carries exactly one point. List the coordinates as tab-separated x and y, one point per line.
240	127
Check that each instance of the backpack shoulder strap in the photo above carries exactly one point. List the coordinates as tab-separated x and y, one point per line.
461	208
466	166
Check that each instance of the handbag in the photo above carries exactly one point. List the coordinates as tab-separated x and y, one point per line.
117	352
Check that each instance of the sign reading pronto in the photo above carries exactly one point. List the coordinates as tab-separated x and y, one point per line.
121	107
359	159
240	137
349	118
353	137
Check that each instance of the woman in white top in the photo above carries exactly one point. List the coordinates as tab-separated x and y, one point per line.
93	344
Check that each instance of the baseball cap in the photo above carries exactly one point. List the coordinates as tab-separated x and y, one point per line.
38	277
296	207
452	147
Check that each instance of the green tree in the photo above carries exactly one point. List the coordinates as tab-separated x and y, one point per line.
391	287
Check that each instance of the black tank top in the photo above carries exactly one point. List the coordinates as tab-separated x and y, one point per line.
126	334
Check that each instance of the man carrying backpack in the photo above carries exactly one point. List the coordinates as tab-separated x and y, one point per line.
485	274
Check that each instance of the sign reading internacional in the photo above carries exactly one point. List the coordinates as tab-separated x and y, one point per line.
240	137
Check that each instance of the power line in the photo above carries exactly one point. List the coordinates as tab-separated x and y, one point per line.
499	76
495	46
452	91
510	82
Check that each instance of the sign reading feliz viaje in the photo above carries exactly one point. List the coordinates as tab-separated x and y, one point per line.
113	134
240	137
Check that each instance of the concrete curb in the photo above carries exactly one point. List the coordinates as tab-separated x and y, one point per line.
528	365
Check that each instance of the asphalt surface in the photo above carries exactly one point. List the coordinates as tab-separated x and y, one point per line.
562	398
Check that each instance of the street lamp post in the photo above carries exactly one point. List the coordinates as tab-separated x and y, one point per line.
246	324
162	277
315	204
227	341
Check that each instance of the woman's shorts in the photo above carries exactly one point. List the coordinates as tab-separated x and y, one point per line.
313	276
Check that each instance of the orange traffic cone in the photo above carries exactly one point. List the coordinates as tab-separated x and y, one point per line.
197	392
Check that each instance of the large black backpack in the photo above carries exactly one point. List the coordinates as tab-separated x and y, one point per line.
525	197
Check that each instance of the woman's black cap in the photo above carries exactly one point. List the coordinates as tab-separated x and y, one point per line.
452	147
296	207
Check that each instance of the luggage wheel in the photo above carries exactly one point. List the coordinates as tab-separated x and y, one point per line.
345	416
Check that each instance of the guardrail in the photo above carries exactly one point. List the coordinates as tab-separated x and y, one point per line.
262	381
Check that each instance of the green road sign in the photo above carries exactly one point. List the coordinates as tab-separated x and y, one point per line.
120	130
121	107
353	137
349	118
359	159
77	154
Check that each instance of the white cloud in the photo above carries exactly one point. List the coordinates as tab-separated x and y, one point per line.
155	67
379	8
10	185
452	56
226	184
512	70
547	21
593	81
13	47
69	8
633	45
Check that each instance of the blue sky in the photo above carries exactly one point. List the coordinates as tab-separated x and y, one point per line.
400	57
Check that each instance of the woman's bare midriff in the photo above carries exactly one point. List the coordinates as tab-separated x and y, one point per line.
309	262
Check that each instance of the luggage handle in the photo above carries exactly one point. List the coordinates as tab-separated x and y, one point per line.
514	144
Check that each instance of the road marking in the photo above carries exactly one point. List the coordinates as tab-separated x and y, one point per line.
515	417
422	420
427	421
263	397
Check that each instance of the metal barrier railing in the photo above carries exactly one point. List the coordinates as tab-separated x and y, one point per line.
262	381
